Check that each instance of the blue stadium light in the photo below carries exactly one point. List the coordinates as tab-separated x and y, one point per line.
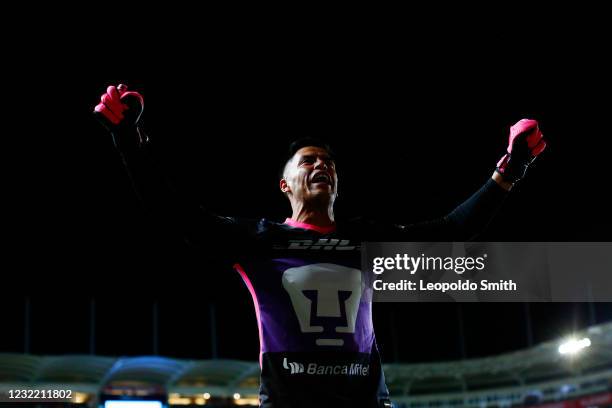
133	404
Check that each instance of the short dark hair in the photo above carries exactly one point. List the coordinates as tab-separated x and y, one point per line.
300	143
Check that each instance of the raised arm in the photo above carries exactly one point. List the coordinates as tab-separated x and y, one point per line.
471	217
120	111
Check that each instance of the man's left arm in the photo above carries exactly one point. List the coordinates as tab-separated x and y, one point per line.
471	217
525	143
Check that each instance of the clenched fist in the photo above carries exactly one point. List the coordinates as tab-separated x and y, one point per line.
119	108
525	143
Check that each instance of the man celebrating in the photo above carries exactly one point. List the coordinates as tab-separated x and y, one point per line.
317	341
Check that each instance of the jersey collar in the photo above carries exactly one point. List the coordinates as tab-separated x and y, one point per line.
303	225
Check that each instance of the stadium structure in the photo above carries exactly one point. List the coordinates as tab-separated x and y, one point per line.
571	372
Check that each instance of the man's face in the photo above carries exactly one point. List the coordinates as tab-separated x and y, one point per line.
311	174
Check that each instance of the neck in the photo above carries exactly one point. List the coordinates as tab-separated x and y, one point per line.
314	216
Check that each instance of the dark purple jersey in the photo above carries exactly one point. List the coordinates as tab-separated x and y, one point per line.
314	316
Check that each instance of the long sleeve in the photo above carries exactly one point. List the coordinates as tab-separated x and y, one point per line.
462	224
472	216
170	209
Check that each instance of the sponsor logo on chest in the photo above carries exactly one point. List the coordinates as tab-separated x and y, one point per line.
322	244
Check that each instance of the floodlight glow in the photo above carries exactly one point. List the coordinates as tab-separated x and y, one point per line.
80	397
573	346
206	395
133	404
176	399
236	396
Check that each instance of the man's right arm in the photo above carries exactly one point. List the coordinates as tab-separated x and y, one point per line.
120	112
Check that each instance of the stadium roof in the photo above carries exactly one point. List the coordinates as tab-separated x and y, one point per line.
534	365
538	364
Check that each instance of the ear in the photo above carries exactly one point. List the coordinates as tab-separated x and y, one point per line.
284	186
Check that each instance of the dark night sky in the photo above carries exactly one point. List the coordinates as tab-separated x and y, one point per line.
410	147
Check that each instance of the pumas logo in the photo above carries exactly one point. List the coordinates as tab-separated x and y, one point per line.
322	244
296	368
325	298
